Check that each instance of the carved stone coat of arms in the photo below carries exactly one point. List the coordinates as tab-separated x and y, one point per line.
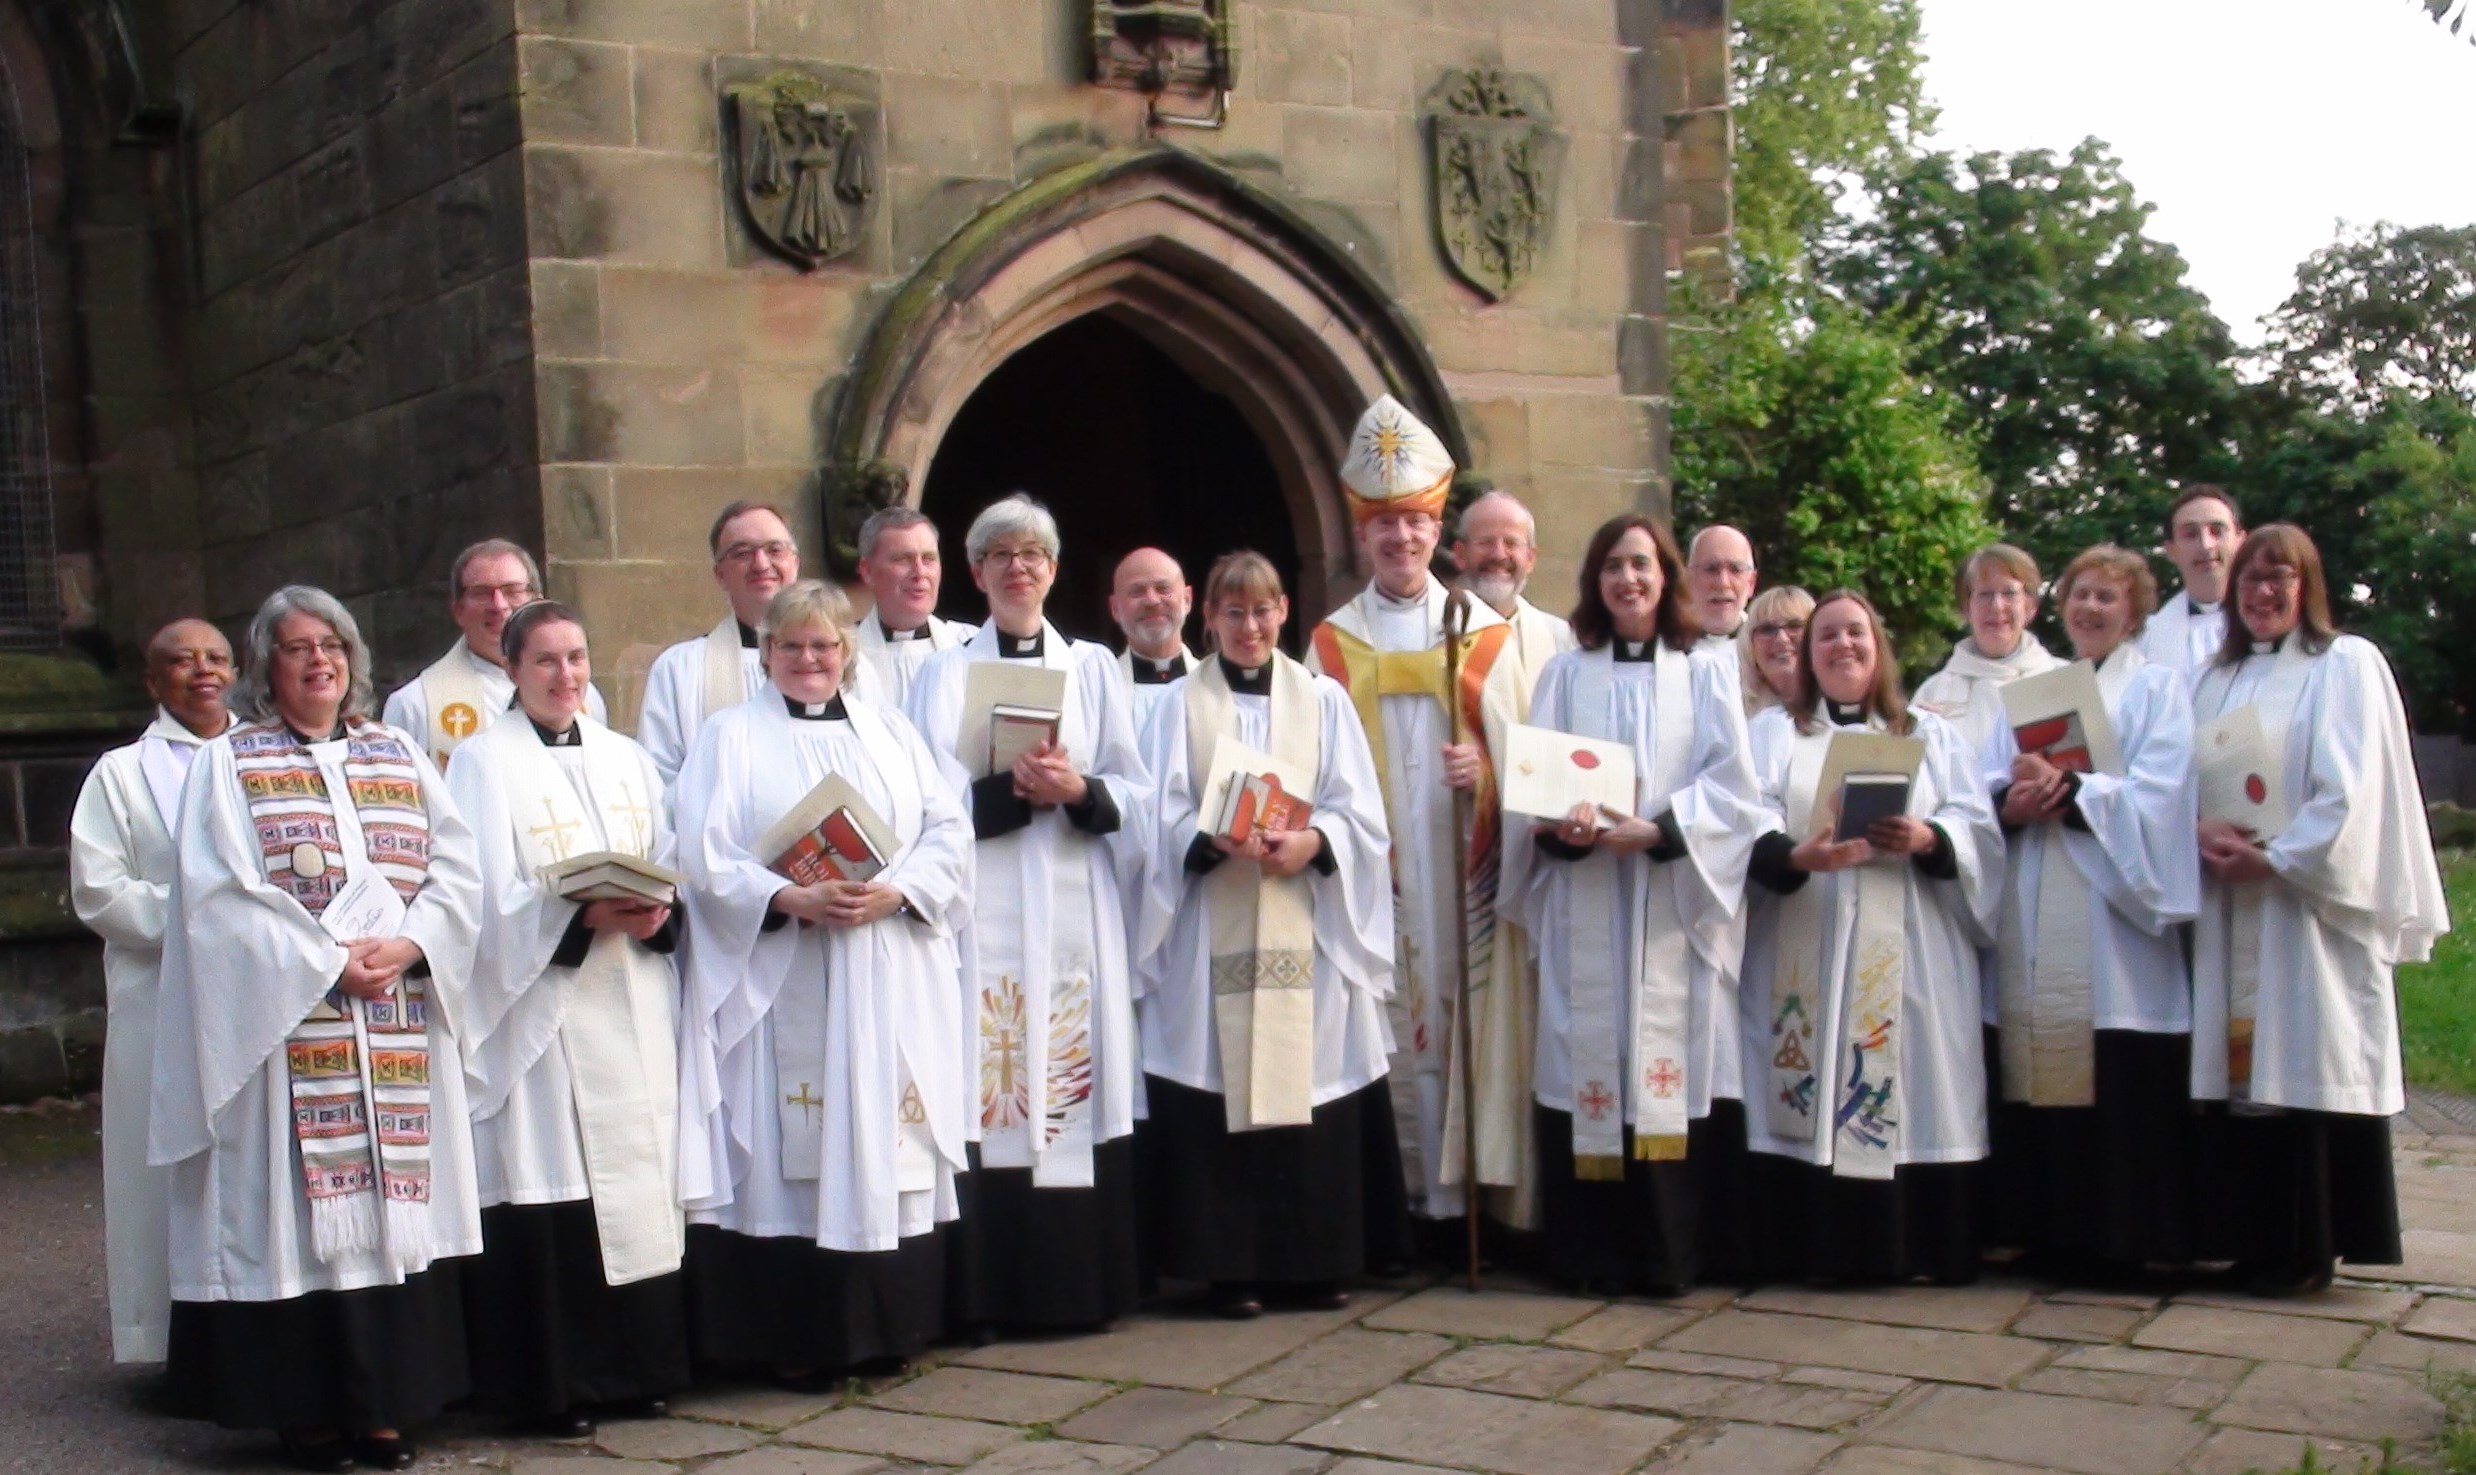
1494	154
807	171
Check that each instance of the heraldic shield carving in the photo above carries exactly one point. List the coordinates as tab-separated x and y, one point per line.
807	176
1494	155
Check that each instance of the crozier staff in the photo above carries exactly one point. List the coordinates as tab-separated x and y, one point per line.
309	1088
575	1305
2303	925
836	1009
1637	1078
1270	1164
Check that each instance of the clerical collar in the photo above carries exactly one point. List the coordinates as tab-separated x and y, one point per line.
1246	683
1846	714
829	710
894	636
572	738
1149	672
2271	647
342	726
1390	602
2199	608
747	634
1023	647
1633	650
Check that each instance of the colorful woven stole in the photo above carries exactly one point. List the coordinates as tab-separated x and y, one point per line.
360	1068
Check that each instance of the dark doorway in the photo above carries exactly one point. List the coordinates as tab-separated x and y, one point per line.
1127	449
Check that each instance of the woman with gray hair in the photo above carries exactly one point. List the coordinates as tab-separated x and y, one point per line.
309	1081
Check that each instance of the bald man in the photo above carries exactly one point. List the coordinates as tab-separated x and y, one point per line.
1497	547
1719	581
1149	598
121	860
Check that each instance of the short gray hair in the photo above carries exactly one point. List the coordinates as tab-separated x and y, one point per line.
810	602
1016	515
1461	528
890	520
252	699
491	548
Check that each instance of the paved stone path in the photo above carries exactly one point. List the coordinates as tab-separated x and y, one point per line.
2002	1378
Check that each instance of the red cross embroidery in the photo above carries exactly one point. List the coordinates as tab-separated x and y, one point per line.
1595	1101
1663	1078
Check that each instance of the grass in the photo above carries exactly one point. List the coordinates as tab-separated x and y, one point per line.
2437	1000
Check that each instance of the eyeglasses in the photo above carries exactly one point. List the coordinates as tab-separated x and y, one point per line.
1022	558
2274	577
772	552
504	593
301	650
1782	629
807	650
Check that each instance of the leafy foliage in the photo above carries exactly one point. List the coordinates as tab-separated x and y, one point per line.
2381	311
1828	93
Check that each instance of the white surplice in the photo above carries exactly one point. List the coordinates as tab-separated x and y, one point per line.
1050	1038
2139	868
676	704
887	668
1353	906
1148	696
1968	691
1717	813
1538	638
244	963
2184	637
408	706
879	1010
2356	892
573	1070
1940	1061
121	861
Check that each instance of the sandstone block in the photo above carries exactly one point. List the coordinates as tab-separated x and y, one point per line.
1351	1363
2065	1323
2340	1404
1061	1457
577	92
1004	1398
903	1436
1912	1352
1164	1352
678	110
1524	1372
786	1459
1511	1316
1484	1431
1157	1418
1343	153
2251	1334
2040	1430
1750	1449
1299	56
1699	1396
670	1439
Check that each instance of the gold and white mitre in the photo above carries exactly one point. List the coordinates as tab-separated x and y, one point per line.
1396	464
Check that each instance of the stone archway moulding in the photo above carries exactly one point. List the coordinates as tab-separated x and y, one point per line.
1220	276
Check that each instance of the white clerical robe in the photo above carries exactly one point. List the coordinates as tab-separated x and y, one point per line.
2138	870
1716	810
243	964
572	1069
874	1014
2356	891
1353	906
1148	696
1051	1036
1939	1060
475	682
1538	638
1408	736
2184	636
888	667
690	682
1968	691
121	861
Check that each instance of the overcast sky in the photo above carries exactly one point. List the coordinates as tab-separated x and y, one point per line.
2252	125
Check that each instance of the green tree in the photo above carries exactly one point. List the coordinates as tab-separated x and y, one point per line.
1829	92
2091	375
2381	311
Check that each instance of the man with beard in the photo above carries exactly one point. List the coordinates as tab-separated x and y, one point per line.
1719	581
1149	598
1497	547
466	689
754	559
2204	530
899	564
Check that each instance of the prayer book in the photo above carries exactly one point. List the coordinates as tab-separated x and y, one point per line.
2060	716
613	875
2241	779
1869	759
1036	696
1247	793
1548	772
368	906
1867	797
830	835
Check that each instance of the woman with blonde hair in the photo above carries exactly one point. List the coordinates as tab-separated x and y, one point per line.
1998	587
1770	645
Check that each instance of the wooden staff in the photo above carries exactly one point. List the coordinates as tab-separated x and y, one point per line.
1456	625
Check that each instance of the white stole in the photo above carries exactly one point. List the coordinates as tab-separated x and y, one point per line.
164	762
1655	982
1262	929
626	1102
451	690
725	683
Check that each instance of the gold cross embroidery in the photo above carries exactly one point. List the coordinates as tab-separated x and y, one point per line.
808	1101
638	816
556	832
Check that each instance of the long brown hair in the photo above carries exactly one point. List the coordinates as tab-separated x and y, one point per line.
1884	698
2286	545
1593	626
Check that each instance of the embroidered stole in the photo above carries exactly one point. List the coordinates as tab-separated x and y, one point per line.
627	1095
2242	903
1650	985
1262	929
1034	889
1835	1021
451	691
360	1068
725	683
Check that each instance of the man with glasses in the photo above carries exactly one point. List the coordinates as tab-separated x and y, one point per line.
1719	581
1497	548
2204	531
754	559
466	689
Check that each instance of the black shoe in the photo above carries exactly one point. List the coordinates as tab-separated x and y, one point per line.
394	1452
809	1379
981	1334
876	1369
638	1408
1236	1301
572	1423
1315	1295
331	1455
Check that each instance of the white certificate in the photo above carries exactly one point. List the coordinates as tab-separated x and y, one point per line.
1548	772
2240	774
368	906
